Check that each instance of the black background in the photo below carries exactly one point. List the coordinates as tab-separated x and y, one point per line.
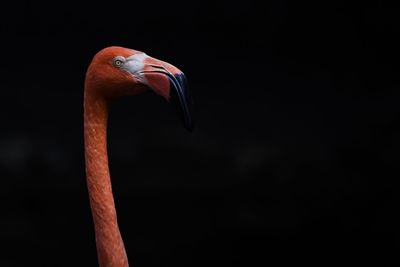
294	159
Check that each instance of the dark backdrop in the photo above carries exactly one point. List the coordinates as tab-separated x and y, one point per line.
294	158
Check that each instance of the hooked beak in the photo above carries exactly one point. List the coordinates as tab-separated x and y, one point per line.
180	98
165	80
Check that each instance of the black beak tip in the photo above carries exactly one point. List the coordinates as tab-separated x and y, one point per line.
181	98
189	126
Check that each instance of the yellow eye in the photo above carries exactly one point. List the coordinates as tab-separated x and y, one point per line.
118	61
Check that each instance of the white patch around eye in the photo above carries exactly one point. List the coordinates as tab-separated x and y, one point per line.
135	63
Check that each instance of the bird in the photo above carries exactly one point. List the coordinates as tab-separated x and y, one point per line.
116	72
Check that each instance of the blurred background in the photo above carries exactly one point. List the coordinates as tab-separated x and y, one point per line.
295	154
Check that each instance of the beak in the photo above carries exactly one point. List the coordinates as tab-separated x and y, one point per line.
165	80
180	98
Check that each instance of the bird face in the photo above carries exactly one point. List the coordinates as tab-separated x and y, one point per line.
118	71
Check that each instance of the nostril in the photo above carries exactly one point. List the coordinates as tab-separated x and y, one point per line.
156	66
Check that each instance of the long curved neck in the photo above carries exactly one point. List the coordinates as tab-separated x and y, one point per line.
110	247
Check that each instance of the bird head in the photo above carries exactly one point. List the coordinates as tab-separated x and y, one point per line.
117	71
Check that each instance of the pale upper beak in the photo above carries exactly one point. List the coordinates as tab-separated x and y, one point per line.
165	80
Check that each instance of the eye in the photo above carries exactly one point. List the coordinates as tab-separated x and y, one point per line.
118	61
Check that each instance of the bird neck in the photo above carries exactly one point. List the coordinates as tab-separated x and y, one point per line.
110	247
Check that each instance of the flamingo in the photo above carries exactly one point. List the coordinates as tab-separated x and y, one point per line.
114	72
